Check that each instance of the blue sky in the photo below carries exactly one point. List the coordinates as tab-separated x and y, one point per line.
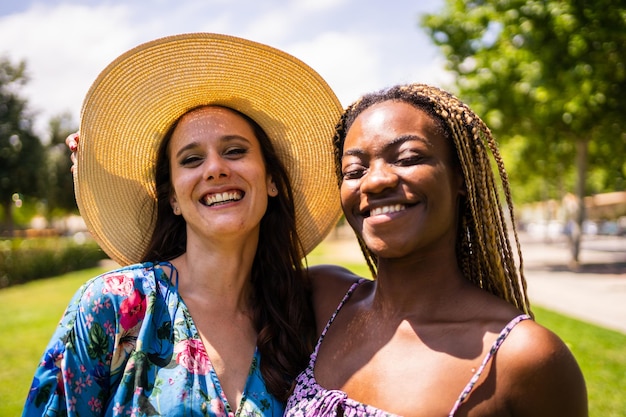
356	45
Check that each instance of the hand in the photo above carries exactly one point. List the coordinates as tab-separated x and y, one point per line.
72	142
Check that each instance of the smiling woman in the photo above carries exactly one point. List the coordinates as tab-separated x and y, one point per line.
188	149
445	329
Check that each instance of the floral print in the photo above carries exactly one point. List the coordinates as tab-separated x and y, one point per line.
127	346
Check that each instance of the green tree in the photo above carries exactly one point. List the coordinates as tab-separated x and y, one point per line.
549	77
59	190
21	152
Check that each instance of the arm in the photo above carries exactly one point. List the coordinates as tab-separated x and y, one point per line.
543	377
73	376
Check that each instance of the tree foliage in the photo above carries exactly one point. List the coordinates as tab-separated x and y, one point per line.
547	76
59	190
21	151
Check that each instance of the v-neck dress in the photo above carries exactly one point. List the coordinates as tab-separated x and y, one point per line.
310	399
127	346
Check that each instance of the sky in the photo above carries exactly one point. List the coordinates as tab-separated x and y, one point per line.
357	46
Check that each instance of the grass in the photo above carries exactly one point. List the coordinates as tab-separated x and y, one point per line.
31	311
29	315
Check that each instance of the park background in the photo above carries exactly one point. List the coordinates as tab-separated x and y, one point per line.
549	78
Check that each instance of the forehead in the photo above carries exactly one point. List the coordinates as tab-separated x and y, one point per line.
391	119
218	120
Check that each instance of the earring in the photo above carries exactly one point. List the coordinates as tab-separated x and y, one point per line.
176	210
273	189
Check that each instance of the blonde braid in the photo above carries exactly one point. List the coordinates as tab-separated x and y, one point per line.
484	251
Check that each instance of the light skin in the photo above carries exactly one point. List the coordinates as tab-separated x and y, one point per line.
221	188
409	342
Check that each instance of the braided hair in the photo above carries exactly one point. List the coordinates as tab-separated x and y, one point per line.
483	246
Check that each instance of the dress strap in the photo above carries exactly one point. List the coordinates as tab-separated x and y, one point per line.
494	348
345	298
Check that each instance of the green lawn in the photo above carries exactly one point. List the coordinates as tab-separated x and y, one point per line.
30	313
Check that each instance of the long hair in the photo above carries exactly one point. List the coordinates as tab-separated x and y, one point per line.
484	251
282	311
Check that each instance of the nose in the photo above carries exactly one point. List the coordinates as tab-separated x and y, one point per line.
215	167
379	177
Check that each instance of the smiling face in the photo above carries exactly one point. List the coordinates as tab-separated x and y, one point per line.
400	187
219	182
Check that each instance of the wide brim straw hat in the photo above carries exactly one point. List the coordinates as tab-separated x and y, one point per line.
137	98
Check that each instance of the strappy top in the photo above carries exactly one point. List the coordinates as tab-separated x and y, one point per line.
309	399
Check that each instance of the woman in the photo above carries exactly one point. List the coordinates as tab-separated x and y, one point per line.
445	329
189	145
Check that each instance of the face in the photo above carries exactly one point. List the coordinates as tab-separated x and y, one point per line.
220	185
400	189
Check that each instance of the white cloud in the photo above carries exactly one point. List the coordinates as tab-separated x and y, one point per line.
357	47
344	60
65	48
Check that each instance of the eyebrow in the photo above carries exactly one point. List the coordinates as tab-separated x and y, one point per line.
391	144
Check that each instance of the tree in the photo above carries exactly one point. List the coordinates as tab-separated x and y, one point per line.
21	152
59	190
549	77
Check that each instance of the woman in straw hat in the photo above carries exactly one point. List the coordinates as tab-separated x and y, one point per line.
445	329
190	146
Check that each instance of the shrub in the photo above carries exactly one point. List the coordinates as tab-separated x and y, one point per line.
23	260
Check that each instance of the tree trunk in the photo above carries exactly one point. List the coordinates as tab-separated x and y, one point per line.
582	148
7	208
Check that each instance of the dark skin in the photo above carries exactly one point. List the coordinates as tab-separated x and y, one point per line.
410	341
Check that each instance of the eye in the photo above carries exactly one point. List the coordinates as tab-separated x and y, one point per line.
191	160
235	152
353	172
409	160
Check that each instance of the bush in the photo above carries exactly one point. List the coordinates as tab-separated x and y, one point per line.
23	260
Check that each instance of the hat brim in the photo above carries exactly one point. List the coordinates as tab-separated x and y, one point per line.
136	99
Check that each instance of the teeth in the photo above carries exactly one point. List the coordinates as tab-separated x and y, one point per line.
387	209
222	197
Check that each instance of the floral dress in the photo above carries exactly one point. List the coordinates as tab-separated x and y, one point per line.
310	399
127	346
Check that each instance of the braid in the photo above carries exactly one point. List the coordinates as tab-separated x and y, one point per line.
484	252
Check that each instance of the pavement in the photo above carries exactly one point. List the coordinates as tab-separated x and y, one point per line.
595	292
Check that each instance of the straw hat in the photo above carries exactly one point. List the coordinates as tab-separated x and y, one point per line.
134	101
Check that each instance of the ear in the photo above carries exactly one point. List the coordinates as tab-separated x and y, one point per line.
174	204
271	188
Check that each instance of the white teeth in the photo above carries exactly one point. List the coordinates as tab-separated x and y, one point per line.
387	209
222	197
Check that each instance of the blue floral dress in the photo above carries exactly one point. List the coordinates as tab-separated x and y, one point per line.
127	346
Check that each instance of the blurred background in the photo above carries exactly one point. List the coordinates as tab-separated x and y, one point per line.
547	76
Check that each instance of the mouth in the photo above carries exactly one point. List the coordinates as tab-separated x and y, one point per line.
217	199
388	209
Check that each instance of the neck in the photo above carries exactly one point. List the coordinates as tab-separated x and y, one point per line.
219	274
417	286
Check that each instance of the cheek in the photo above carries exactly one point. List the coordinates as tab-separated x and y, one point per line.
348	196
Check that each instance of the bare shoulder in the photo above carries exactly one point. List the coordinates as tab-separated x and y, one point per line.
329	283
541	375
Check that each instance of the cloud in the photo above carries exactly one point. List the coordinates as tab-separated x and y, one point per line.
356	46
64	47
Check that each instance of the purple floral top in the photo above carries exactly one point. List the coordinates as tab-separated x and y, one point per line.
127	346
310	399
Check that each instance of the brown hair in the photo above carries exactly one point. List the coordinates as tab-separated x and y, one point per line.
282	310
483	249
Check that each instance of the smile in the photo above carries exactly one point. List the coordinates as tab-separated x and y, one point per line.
387	209
222	198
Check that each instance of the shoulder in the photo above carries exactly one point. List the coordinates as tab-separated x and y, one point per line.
329	284
541	375
121	282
